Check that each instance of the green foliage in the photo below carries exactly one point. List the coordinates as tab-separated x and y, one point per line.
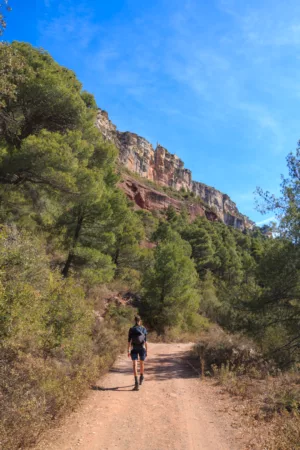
277	307
202	249
39	311
67	229
47	96
278	274
170	296
13	71
171	214
149	222
128	234
51	345
89	100
210	304
287	206
60	214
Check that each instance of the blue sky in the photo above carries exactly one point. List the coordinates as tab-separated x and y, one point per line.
216	82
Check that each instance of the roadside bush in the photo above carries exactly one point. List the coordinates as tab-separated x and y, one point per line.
218	349
271	399
177	334
52	343
35	390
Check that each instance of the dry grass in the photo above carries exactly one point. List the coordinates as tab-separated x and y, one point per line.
35	392
269	399
271	408
174	335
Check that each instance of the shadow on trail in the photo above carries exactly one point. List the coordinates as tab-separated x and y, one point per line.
166	366
118	388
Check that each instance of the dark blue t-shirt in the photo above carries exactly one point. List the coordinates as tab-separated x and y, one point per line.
131	333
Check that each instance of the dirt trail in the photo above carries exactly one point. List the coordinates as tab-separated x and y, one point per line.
173	410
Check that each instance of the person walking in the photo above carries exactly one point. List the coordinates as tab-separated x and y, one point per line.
137	349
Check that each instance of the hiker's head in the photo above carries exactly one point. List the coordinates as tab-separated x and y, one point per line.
137	320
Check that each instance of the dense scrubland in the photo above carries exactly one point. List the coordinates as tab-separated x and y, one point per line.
70	241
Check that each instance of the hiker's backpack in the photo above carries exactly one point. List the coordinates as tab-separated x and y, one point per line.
137	336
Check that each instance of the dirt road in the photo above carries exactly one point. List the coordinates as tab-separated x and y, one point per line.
173	410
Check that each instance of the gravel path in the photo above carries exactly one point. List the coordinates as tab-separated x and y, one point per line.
173	410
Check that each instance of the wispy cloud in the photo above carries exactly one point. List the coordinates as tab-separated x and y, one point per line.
212	69
216	67
72	26
270	219
266	23
229	72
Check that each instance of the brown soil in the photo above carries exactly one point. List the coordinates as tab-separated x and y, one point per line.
173	409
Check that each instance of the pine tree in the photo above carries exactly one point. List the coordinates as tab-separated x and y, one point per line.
170	296
47	96
210	304
202	249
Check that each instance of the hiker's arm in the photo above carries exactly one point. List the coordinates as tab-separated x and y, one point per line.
146	343
129	342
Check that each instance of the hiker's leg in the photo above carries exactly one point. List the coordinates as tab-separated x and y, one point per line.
135	369
142	367
134	357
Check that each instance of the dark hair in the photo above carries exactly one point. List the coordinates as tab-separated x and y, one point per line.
137	319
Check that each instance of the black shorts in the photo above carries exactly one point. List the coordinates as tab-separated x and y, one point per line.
138	352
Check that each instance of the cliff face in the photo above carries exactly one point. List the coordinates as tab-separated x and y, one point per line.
146	197
166	169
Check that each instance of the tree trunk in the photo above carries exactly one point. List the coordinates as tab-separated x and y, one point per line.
67	265
116	258
69	260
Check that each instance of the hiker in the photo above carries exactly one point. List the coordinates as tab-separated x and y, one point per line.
137	349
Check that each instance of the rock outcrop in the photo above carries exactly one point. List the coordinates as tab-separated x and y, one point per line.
149	198
166	169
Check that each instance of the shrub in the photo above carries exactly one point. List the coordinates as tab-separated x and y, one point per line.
52	345
218	349
273	401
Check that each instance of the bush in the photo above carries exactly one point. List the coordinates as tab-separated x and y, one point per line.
35	391
52	341
218	349
273	401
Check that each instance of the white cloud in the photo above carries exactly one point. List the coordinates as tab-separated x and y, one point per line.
270	219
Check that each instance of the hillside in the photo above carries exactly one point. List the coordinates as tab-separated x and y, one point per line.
78	260
167	170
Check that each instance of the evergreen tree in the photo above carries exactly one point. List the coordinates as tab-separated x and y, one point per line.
278	306
170	296
171	214
202	249
287	206
47	96
210	304
128	232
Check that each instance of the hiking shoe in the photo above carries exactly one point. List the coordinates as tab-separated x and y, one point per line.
136	387
141	379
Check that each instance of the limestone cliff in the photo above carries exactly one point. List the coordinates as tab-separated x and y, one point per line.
166	169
